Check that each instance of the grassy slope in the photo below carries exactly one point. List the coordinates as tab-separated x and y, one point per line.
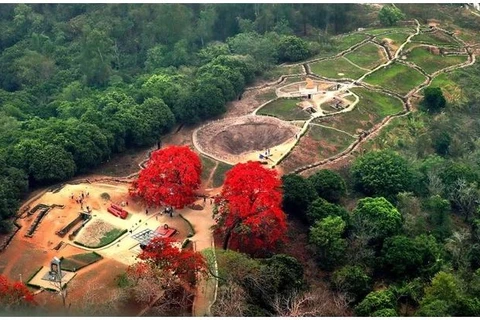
332	68
396	77
285	109
219	175
397	37
451	90
383	104
440	39
333	141
430	62
207	166
371	109
367	56
343	43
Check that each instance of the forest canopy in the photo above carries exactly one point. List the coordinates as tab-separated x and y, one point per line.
81	82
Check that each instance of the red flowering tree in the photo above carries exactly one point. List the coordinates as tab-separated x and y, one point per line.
248	213
170	178
14	295
184	264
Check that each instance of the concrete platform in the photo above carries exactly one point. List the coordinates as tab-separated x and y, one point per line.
39	281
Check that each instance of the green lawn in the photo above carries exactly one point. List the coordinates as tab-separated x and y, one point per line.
437	38
396	77
78	261
371	109
336	69
327	108
430	62
219	175
332	141
111	236
367	56
339	44
397	37
285	109
410	45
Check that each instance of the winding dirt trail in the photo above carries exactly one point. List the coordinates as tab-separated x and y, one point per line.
350	83
405	99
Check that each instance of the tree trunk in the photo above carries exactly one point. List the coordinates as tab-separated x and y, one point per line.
226	241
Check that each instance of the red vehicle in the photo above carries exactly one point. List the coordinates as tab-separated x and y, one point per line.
117	211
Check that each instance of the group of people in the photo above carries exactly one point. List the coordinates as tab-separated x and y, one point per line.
81	199
205	200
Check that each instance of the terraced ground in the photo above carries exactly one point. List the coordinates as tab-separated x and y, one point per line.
331	141
436	38
397	37
370	110
345	42
367	56
396	77
430	62
358	62
393	79
451	90
339	68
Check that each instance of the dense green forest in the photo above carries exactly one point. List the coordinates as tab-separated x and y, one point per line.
80	82
394	233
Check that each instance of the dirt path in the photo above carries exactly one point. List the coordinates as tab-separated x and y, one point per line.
347	84
355	65
332	161
209	182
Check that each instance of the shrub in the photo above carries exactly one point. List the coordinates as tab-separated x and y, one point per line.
105	196
433	100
